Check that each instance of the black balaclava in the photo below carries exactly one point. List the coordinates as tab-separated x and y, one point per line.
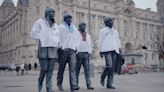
108	22
49	15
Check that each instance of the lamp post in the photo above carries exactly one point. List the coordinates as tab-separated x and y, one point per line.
89	16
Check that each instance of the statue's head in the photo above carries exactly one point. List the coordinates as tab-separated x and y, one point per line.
108	22
67	18
49	14
82	26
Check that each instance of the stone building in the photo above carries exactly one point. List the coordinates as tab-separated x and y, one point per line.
137	27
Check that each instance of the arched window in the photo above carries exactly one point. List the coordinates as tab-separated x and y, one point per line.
128	46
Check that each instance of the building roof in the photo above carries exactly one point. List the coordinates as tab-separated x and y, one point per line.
8	2
23	2
12	3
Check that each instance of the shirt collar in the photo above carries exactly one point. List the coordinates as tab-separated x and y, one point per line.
48	23
109	28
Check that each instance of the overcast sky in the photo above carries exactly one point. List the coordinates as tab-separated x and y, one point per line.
146	4
139	4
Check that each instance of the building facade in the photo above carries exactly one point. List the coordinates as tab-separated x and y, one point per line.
137	27
160	9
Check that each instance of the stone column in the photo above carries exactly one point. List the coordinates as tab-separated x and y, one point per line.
120	28
74	12
60	9
141	31
95	39
133	29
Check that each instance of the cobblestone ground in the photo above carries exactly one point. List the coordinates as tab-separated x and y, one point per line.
142	82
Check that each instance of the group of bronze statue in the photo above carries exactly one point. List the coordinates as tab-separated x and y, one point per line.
67	44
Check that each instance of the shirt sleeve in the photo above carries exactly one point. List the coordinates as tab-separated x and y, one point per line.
35	33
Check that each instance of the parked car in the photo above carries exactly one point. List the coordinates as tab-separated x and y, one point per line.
12	67
4	66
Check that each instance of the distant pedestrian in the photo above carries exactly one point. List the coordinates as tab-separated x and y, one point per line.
35	65
17	69
26	68
22	69
29	66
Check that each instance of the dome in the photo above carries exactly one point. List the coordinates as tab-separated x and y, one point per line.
23	2
7	3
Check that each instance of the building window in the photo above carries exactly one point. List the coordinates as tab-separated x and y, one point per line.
137	34
95	6
128	46
151	27
67	1
153	56
144	35
146	16
105	7
85	4
65	12
37	2
80	17
137	29
158	28
93	18
125	28
151	36
144	30
37	10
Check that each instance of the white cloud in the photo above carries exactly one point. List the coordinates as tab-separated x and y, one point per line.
1	1
146	4
15	2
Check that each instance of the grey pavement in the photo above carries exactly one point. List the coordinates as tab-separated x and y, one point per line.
142	82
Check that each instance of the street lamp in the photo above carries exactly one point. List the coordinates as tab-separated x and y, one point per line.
89	16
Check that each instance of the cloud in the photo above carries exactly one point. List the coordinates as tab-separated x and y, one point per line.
15	2
146	4
1	1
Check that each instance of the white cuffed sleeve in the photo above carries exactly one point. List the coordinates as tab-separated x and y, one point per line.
35	33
